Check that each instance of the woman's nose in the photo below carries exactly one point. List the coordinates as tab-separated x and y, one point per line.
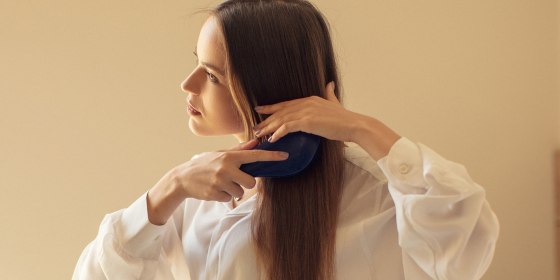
190	85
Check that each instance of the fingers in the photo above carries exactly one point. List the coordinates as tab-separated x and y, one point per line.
216	176
219	189
222	197
272	123
303	114
233	190
331	96
282	131
244	179
270	109
231	178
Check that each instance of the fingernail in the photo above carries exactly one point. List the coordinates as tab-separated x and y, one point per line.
284	155
257	108
269	139
258	132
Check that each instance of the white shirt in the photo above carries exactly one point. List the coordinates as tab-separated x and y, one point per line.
412	215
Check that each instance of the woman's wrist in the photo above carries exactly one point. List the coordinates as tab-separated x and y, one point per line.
164	198
374	137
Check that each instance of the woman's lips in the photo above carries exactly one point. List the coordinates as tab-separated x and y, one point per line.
192	110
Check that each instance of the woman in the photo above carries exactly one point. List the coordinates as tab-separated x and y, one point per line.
382	208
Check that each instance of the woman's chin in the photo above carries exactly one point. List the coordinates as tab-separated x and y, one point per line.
199	130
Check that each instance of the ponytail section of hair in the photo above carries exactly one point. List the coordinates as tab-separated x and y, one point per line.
278	51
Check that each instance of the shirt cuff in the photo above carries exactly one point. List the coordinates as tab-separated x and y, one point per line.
138	236
403	166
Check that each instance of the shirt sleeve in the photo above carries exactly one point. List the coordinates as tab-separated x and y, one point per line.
446	227
128	246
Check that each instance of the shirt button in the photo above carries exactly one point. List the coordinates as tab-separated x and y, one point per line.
404	168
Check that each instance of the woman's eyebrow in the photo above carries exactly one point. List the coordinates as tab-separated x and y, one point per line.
210	65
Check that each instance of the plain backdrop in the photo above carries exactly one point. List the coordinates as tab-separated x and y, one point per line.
91	113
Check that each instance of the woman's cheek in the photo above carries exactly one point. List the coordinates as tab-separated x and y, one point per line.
234	121
227	119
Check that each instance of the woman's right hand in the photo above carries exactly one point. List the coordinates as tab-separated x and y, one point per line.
208	176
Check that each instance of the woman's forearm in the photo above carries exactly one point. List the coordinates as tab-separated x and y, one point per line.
374	137
164	198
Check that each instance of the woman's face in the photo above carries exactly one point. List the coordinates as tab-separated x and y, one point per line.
210	103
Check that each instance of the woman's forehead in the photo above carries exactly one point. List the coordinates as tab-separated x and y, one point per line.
210	45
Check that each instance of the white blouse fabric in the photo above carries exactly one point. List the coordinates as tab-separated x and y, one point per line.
412	215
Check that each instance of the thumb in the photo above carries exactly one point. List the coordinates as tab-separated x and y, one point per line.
331	96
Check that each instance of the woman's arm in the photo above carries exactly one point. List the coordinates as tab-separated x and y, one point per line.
128	246
326	118
446	228
141	241
445	225
373	136
213	176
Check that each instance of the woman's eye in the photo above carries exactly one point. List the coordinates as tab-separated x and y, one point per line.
212	77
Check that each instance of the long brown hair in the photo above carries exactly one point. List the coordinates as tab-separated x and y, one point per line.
278	51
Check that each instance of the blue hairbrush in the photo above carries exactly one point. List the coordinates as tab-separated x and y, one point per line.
302	148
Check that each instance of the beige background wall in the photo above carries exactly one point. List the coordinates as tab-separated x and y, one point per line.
91	114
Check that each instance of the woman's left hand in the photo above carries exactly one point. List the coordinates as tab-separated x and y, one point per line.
327	118
315	115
